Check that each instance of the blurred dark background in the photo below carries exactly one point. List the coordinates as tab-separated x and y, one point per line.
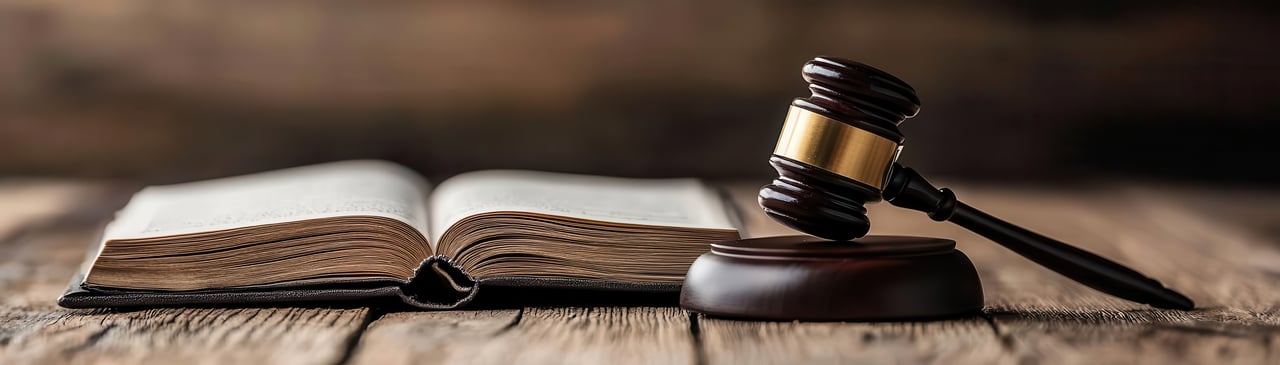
167	90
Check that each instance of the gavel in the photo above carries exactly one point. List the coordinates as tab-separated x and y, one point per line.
839	148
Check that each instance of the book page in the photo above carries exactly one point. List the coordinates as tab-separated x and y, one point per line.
347	188
653	202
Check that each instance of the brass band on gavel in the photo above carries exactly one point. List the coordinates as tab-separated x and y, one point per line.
841	148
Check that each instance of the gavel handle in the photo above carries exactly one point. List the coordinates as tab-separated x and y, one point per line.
906	188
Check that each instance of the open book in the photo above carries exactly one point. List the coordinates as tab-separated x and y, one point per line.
362	229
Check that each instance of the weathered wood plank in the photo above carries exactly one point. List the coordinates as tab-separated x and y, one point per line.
1206	336
430	337
177	336
1223	267
965	340
1045	316
601	335
37	261
36	265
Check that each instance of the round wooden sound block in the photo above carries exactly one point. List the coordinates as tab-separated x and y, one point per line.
874	278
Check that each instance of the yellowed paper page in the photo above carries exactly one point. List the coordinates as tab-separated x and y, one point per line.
653	202
347	188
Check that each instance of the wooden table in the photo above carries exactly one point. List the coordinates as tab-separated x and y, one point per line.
1217	245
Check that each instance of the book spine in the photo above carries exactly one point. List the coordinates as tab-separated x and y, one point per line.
438	283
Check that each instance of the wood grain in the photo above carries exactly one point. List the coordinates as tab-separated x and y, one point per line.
1206	336
430	337
1046	316
177	336
601	335
1224	268
965	340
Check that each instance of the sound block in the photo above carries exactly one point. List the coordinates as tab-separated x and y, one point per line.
874	278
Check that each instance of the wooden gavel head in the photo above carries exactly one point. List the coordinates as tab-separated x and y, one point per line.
837	148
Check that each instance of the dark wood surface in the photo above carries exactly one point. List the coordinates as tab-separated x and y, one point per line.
1220	248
